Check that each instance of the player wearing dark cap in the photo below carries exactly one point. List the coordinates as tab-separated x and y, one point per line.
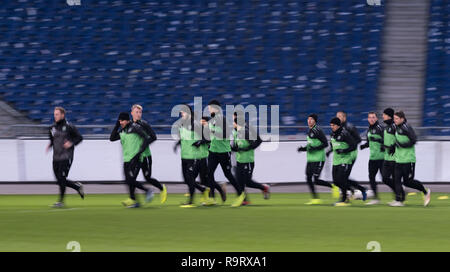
315	157
388	141
342	144
134	141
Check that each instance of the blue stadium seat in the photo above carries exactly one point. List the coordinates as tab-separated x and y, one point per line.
98	59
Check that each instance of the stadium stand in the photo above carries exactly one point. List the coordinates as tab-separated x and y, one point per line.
437	92
99	58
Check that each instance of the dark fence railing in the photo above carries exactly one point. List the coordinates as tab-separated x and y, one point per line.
286	133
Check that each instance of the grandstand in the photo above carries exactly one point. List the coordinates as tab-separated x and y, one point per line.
437	92
98	58
306	56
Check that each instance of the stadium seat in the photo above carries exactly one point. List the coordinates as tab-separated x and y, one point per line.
98	59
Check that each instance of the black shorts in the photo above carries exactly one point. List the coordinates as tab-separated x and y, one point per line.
131	169
314	168
388	169
61	169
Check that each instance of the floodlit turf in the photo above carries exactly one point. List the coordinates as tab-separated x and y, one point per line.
283	223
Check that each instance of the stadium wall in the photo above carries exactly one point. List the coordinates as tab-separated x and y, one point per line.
100	160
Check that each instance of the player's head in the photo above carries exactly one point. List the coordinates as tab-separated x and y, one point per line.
124	119
399	118
136	112
342	115
335	124
312	120
186	112
388	113
59	114
214	107
372	117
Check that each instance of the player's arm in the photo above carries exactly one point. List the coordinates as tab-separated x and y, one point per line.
387	147
227	129
75	136
323	142
250	134
379	132
205	132
50	136
331	148
177	137
145	137
115	133
366	145
149	130
351	142
355	134
411	136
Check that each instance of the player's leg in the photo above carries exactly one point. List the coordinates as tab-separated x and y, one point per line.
225	164
253	184
317	170
195	174
410	182
309	180
210	181
349	185
77	186
132	172
147	171
130	184
387	172
205	180
213	162
399	192
241	179
248	173
374	166
189	178
61	181
339	174
354	184
135	166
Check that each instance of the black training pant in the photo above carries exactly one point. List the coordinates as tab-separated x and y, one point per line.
131	170
244	173
313	170
340	179
147	171
224	159
61	170
374	167
351	183
191	169
388	174
406	172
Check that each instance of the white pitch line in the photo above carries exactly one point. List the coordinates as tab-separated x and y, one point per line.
58	210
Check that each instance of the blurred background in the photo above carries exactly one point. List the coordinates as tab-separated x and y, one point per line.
99	57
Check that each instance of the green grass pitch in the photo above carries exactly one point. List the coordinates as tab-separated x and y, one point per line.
283	223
